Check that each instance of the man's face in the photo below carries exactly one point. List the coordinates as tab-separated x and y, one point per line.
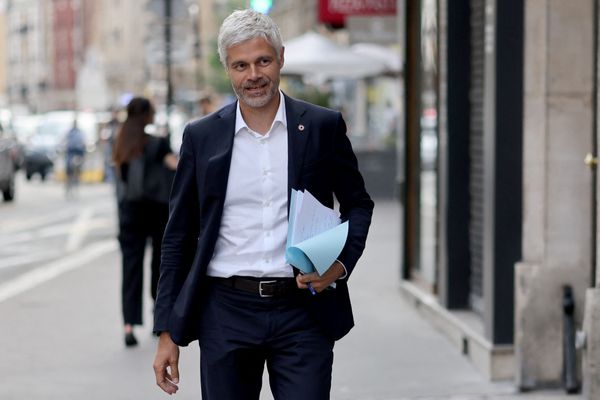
253	68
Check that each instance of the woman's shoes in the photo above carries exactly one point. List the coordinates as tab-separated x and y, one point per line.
130	340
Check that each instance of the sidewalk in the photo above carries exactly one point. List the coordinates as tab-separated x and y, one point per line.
63	340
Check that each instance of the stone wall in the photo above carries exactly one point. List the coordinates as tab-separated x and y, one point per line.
557	185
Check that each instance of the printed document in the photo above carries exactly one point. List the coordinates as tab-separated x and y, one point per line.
316	234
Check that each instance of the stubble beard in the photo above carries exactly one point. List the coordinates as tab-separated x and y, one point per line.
257	101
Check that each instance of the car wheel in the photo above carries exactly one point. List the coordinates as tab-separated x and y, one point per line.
9	192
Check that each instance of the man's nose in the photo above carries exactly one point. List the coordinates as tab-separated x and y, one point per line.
254	73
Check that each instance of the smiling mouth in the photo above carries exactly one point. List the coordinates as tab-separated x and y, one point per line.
256	88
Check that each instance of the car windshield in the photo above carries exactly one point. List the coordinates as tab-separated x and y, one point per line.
25	126
53	128
56	126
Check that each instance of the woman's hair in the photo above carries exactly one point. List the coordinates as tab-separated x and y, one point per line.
131	138
243	25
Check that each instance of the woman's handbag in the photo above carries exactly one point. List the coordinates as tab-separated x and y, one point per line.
158	179
145	177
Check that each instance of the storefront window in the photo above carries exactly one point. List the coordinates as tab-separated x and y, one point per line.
428	144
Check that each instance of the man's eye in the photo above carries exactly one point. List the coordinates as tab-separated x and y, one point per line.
239	67
265	61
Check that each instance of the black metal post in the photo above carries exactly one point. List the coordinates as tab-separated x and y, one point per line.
197	48
457	196
168	47
411	186
569	351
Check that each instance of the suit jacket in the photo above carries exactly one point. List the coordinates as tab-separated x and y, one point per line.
320	159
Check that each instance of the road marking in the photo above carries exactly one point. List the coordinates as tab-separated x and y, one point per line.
79	229
45	273
52	231
38	220
21	259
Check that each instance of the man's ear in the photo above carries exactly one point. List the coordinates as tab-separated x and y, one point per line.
281	57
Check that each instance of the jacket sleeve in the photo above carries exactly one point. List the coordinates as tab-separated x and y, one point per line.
181	234
356	205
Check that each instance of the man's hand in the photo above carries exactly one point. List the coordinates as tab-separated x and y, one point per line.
166	364
318	282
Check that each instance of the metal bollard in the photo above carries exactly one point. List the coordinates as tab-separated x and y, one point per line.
569	352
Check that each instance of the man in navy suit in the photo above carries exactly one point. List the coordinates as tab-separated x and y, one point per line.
224	279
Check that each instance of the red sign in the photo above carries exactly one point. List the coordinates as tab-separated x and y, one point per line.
334	11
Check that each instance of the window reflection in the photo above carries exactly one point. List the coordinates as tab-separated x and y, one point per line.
428	145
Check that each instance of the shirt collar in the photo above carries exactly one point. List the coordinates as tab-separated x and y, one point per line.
280	116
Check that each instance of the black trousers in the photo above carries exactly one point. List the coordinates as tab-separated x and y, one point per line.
139	222
240	332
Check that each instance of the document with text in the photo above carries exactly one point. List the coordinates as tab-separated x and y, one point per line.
316	234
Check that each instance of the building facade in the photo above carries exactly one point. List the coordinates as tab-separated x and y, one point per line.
63	53
3	58
462	220
67	52
560	194
28	68
295	17
119	34
505	227
45	47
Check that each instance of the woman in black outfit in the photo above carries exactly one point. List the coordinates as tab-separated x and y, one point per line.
143	208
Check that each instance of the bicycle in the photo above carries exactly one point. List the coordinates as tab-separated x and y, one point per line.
73	169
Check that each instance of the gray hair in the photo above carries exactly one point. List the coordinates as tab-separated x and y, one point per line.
243	25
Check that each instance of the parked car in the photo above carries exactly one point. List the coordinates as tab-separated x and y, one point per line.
38	160
40	154
7	169
23	127
8	133
46	143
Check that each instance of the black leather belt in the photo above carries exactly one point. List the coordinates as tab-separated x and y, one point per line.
264	287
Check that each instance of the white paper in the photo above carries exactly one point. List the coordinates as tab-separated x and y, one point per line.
311	218
316	235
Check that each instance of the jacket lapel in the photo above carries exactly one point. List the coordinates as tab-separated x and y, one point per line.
219	164
298	128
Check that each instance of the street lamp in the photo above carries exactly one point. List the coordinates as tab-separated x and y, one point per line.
194	11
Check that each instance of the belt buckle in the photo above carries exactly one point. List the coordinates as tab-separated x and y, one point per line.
260	288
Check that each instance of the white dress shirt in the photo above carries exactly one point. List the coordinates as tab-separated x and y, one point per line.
254	225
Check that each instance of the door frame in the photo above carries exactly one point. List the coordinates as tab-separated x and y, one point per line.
594	151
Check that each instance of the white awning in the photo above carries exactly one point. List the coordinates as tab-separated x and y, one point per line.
317	57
